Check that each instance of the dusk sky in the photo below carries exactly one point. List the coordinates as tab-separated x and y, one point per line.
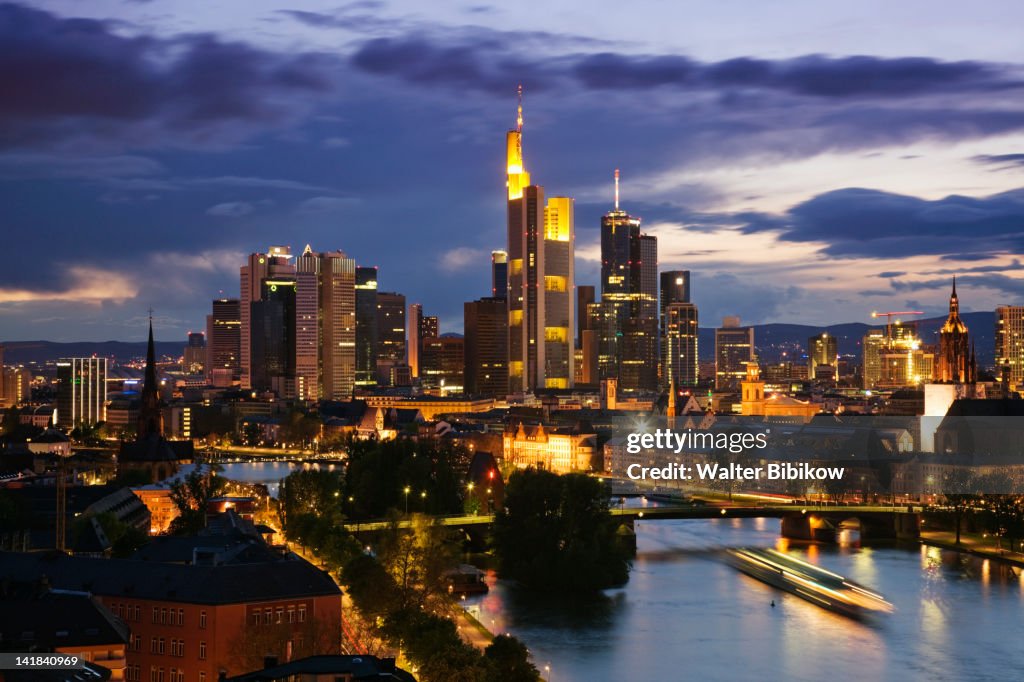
808	161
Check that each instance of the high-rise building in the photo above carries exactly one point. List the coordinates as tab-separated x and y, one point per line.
822	351
1009	339
499	274
194	355
333	375
276	262
629	283
485	326
81	391
734	348
415	339
675	288
443	364
679	344
223	338
584	297
390	334
956	363
366	326
541	316
896	358
602	324
273	323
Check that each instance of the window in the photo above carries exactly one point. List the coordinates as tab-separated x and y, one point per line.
160	675
156	614
163	617
202	620
202	676
152	673
280	615
137	610
181	616
291	614
268	616
202	650
152	645
302	613
160	650
256	617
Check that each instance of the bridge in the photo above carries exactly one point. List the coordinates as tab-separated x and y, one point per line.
876	522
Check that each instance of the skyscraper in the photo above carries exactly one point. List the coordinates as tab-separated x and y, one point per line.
1009	341
485	326
81	391
194	356
679	344
584	297
629	283
272	335
499	274
390	334
443	364
223	338
675	288
956	356
276	262
541	317
822	351
336	325
366	326
415	320
734	348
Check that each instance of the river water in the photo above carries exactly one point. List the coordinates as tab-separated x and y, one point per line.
685	615
267	473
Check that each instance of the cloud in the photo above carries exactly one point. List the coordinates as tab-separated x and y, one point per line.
230	209
69	81
317	205
87	285
1004	161
461	258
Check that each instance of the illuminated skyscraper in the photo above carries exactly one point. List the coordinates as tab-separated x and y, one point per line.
956	356
223	338
194	356
486	346
1010	344
390	334
81	391
822	351
896	358
443	364
734	348
415	320
499	274
366	326
629	283
276	262
679	344
272	337
541	318
325	325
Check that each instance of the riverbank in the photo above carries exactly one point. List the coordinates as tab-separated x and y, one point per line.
974	544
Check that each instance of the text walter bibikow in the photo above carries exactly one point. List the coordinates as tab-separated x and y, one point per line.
676	442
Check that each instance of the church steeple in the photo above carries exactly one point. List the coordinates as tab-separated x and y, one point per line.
151	416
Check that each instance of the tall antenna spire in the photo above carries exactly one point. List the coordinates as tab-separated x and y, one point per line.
616	189
519	111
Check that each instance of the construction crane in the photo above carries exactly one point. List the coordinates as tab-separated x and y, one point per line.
891	314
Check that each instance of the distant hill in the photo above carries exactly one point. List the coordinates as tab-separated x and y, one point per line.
26	352
772	341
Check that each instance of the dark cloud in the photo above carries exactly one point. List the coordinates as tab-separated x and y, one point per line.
891	273
862	222
1005	161
67	79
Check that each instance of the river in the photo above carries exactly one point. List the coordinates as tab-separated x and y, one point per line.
684	615
268	473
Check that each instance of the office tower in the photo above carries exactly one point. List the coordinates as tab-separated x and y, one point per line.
485	327
273	330
223	338
81	391
390	334
366	326
429	326
602	320
822	351
896	358
629	282
679	344
956	362
194	355
675	288
541	316
1009	341
336	327
307	326
499	274
443	364
276	262
584	297
734	348
590	346
415	338
871	356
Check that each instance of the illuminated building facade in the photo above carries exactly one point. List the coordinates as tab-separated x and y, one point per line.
561	450
485	324
1009	340
81	391
223	336
366	326
541	317
194	356
629	284
734	348
896	358
390	335
415	340
443	364
956	363
822	351
679	344
276	262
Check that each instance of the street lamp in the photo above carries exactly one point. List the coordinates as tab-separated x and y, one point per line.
423	501
406	491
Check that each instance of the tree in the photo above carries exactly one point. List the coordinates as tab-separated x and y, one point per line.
556	534
310	491
508	660
192	496
418	559
288	641
961	495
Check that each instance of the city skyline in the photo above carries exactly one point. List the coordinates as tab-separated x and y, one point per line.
888	181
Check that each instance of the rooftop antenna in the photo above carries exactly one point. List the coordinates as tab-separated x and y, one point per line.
616	189
519	111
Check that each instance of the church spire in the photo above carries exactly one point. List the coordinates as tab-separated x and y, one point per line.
150	382
151	417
